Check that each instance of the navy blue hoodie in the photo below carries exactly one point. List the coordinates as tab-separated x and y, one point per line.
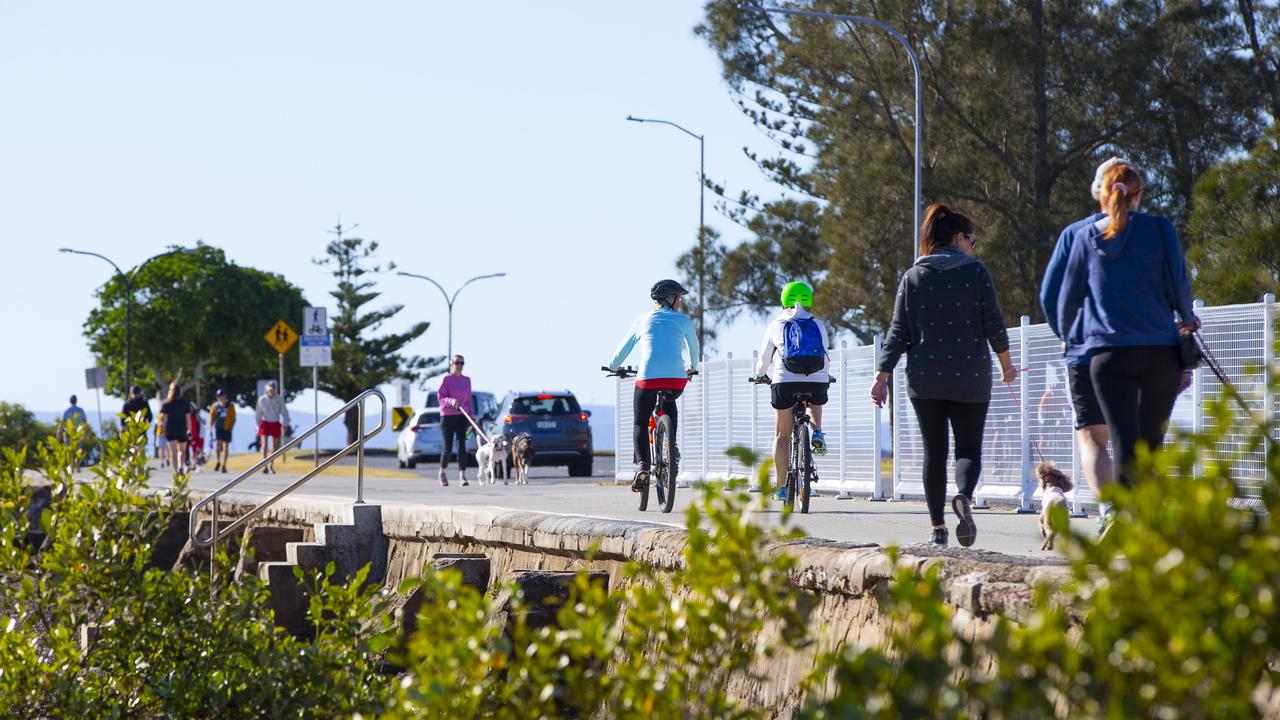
1051	289
1124	291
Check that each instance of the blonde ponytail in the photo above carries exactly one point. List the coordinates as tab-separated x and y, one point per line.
1120	185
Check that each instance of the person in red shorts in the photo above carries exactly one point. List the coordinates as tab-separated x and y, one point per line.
272	417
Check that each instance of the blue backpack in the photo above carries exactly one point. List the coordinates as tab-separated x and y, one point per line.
802	350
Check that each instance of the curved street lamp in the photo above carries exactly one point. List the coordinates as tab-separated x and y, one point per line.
449	300
702	222
915	67
128	306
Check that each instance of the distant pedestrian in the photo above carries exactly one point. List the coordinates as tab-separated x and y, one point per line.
454	394
1125	280
136	409
945	316
175	416
272	416
73	416
222	418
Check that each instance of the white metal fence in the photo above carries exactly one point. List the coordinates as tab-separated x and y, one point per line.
720	409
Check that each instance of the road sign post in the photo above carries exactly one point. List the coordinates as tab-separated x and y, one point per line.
316	351
95	378
281	337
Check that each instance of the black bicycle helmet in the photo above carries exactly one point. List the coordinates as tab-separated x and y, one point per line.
664	290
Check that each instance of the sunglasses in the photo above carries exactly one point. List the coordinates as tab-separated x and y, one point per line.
459	363
973	241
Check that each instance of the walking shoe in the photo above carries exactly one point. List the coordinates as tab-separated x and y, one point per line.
462	479
641	481
966	531
938	538
781	494
1105	519
444	481
819	443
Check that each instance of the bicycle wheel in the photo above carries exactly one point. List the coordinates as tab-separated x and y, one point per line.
793	462
655	462
664	440
804	468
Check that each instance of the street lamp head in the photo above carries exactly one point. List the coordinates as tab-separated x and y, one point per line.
501	274
65	250
635	119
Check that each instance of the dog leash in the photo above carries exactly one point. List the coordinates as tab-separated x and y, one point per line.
1212	361
1035	441
479	433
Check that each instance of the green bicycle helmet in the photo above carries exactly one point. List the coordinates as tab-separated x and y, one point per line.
797	293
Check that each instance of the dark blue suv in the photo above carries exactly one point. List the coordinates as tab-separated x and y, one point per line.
558	426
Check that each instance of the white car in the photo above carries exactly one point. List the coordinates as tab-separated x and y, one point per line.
421	439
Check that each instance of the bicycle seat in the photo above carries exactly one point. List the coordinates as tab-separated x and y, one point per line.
802	397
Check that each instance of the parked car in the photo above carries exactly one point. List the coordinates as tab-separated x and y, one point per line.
420	440
560	428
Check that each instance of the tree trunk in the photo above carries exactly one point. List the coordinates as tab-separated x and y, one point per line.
351	418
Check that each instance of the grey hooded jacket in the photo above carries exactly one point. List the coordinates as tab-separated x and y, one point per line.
944	318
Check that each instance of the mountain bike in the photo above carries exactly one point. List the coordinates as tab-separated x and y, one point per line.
798	483
664	456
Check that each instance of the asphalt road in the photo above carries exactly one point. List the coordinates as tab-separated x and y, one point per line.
550	490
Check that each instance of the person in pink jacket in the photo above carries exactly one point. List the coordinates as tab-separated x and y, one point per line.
454	394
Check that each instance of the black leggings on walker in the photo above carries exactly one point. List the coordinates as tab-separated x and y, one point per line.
454	429
967	421
1137	387
645	402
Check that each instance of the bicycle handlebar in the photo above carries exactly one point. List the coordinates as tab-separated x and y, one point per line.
764	380
626	372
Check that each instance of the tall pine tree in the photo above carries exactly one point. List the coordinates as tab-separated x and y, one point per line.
361	361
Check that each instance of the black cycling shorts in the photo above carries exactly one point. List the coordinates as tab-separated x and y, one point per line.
783	395
1084	398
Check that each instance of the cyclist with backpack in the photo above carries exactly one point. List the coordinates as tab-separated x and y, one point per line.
793	359
944	318
662	334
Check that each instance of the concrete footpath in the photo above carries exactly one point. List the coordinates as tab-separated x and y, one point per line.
897	522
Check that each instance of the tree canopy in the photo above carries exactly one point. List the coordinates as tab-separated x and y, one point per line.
361	361
197	314
1237	221
1022	100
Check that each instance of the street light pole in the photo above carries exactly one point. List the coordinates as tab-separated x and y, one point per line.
128	301
702	218
448	299
915	67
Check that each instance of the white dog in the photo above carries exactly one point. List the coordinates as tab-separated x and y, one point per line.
491	455
1055	485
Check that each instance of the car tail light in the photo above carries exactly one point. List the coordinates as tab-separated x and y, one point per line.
545	397
414	428
582	417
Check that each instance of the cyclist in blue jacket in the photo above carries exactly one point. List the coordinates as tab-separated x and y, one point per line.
662	334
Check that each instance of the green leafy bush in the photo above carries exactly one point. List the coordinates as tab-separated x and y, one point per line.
19	429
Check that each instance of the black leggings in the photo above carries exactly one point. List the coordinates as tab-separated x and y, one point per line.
645	402
454	426
967	422
1137	387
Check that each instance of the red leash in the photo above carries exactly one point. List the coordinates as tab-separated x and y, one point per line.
1035	442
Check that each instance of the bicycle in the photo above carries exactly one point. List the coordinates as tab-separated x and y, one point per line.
664	456
801	474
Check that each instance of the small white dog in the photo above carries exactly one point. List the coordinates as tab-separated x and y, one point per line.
490	456
1055	485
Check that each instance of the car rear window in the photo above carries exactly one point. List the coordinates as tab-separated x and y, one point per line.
433	400
545	405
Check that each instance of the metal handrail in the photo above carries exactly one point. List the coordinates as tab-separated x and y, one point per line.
216	533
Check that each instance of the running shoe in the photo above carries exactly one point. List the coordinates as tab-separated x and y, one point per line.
938	537
966	531
781	494
444	481
641	481
819	443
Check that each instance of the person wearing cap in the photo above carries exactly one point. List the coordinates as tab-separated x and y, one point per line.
1092	435
222	417
272	416
662	334
455	395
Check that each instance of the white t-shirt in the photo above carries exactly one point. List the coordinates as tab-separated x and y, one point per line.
770	360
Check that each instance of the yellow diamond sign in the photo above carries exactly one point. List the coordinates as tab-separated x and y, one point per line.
281	337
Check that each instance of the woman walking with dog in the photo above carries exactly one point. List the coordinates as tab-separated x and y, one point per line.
455	402
1125	279
945	316
662	334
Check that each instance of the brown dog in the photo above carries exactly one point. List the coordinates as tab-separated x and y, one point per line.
1054	485
521	457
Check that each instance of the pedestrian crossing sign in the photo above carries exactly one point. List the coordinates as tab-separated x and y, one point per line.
400	416
281	337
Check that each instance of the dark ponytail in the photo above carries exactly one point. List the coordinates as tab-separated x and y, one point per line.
940	226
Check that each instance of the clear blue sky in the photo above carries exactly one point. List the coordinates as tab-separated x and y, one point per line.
465	140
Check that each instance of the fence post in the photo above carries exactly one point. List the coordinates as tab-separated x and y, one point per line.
844	419
706	449
898	387
1268	354
617	433
878	493
1197	398
1024	416
728	416
755	362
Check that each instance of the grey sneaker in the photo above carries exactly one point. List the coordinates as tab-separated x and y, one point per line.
938	538
966	531
641	481
444	481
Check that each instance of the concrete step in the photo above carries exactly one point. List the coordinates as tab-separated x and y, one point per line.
289	598
308	555
265	544
475	571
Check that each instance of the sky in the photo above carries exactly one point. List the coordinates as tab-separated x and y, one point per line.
464	139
